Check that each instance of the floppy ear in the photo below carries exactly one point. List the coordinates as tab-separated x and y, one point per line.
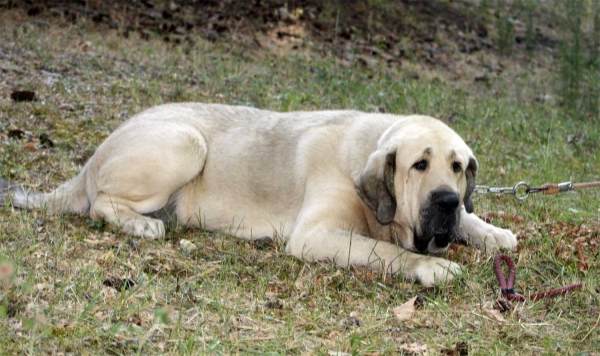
376	185
470	174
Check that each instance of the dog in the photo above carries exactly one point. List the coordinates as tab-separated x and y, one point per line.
379	190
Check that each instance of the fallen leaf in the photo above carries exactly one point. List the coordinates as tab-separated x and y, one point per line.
494	314
31	146
101	316
337	353
103	241
6	270
414	349
41	286
85	46
17	325
501	172
582	265
66	106
406	310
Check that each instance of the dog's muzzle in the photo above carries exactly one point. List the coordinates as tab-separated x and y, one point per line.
439	221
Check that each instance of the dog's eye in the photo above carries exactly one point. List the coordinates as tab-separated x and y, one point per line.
421	165
456	167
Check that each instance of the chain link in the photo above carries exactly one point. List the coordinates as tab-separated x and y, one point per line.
520	190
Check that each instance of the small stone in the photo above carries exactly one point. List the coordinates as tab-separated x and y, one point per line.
187	246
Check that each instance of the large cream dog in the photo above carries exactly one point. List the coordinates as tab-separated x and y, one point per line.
355	188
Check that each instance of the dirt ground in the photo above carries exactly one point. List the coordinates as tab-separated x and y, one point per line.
459	39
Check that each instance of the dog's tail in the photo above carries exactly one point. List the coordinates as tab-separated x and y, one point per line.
71	196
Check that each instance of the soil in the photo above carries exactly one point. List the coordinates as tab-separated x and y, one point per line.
457	38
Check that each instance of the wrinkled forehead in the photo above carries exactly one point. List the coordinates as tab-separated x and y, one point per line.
444	153
434	143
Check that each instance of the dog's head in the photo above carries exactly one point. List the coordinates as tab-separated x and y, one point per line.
417	179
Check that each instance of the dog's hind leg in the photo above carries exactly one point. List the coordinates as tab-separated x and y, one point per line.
118	211
139	169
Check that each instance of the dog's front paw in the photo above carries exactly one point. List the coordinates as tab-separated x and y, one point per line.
505	238
485	236
491	238
434	270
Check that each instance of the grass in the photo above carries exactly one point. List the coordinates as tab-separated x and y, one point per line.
231	297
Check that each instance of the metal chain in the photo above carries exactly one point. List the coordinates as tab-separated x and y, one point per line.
522	190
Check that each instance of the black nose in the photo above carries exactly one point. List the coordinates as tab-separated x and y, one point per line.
446	200
443	240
